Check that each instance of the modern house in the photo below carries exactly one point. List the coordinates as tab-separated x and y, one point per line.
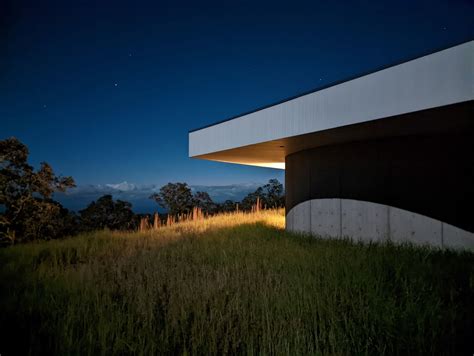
386	155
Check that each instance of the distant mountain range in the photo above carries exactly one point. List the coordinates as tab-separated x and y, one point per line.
78	198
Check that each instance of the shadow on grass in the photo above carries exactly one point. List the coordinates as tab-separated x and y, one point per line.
250	288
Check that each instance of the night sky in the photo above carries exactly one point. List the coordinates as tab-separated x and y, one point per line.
106	91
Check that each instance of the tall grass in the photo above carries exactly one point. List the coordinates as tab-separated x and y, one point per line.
233	283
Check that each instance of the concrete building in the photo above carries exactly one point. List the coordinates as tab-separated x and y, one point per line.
387	155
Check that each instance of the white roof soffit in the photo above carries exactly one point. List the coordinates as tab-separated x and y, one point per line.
259	138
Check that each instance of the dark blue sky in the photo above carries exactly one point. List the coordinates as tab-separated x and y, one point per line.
106	91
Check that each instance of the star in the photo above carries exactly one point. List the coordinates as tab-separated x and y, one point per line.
115	84
44	106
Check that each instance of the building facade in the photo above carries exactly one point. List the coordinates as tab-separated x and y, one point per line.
384	156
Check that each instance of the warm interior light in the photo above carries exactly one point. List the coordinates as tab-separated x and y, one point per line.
276	165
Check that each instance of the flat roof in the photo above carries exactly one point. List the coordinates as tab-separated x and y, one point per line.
264	137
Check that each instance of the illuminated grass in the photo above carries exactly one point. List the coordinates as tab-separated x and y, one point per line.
234	283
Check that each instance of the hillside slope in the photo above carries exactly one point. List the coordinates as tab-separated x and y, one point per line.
235	283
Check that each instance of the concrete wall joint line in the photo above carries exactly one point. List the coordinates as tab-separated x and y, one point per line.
389	234
340	218
442	234
310	204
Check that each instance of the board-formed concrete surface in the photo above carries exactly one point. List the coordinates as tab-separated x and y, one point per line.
361	220
325	217
366	221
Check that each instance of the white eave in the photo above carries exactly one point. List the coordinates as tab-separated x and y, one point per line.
261	137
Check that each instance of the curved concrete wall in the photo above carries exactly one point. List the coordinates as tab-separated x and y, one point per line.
366	221
431	175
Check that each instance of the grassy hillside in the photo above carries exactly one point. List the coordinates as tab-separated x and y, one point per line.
233	283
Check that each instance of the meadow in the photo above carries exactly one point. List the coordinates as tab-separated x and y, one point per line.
233	283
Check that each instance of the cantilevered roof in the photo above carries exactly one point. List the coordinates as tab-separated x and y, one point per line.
401	99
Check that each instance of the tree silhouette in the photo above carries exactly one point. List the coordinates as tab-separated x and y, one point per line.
176	198
203	200
271	195
107	213
273	192
25	195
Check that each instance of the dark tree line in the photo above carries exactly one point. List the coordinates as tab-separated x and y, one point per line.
28	212
107	213
177	198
